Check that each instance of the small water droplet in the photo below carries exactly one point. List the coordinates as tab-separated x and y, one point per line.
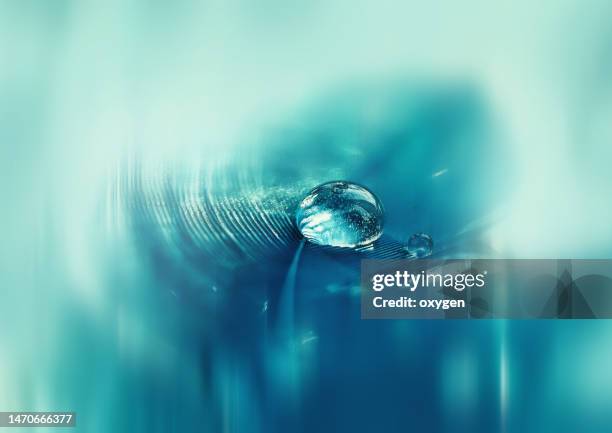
340	214
420	245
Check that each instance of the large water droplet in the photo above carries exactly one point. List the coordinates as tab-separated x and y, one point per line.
420	245
340	214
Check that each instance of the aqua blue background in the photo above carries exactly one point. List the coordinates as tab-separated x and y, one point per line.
152	155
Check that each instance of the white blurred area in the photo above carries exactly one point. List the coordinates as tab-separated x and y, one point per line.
82	84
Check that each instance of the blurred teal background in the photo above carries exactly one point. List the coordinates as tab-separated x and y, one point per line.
152	154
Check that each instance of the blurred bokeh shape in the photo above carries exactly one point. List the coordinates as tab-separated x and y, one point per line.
220	236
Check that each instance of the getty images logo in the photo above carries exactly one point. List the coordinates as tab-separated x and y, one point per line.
412	281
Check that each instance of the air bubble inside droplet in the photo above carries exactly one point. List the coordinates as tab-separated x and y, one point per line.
340	214
420	245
